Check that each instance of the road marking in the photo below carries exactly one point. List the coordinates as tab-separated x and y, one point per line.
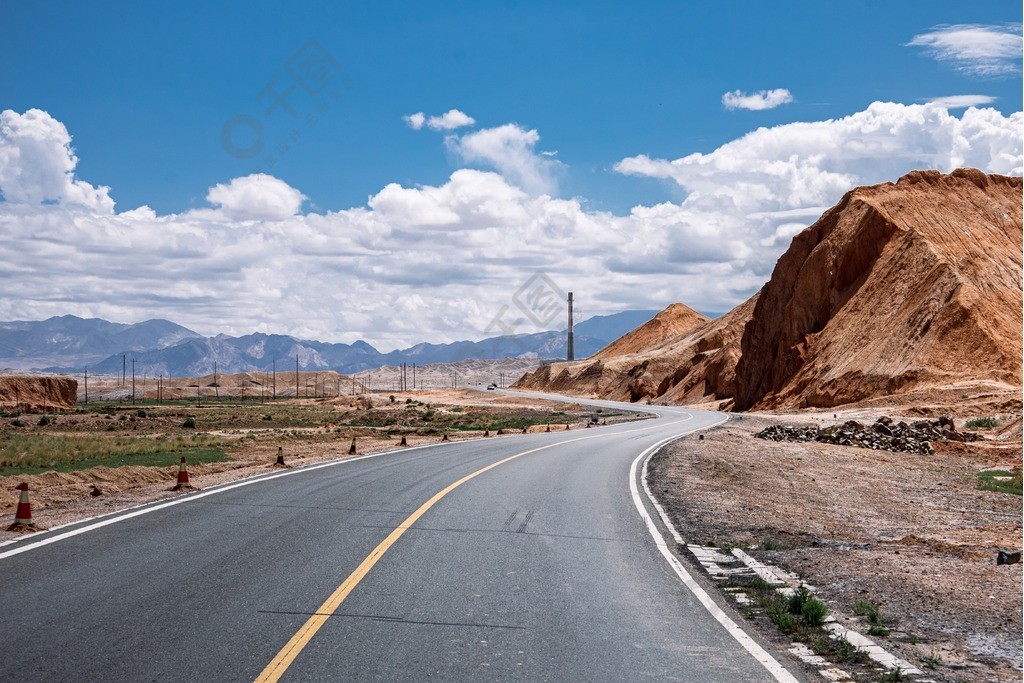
280	663
108	518
291	650
776	669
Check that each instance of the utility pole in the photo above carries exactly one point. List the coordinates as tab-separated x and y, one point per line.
86	385
571	353
133	381
124	367
274	368
296	375
216	384
414	377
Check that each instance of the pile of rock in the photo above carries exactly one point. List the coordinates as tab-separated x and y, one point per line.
884	434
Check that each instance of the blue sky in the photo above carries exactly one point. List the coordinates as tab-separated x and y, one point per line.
146	89
637	155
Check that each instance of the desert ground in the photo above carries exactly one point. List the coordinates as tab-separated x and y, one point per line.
915	535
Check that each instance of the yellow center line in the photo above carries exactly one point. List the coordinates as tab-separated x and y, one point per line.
280	663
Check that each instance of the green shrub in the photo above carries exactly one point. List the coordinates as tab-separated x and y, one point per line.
814	612
45	420
189	423
981	422
798	599
17	423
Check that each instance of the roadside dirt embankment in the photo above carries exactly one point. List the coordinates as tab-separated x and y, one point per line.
42	393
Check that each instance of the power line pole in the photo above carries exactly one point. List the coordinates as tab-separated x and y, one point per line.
274	367
296	375
124	367
86	385
133	381
571	351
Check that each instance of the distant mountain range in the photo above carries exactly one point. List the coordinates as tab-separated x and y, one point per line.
69	343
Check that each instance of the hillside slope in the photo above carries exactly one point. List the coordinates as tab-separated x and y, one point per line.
898	287
678	353
901	287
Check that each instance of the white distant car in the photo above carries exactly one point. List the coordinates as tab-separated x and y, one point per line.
491	387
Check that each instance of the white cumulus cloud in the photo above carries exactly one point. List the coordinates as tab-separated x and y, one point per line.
37	164
985	50
450	120
256	197
415	121
756	101
511	150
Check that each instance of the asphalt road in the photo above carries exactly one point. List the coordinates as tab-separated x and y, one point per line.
540	568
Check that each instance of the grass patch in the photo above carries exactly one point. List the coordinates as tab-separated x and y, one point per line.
866	608
35	453
1000	481
772	544
981	422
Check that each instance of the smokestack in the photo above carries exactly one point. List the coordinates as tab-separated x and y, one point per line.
571	354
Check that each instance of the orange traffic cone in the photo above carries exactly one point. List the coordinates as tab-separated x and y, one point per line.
23	515
183	484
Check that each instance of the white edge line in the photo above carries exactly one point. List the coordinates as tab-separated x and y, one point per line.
116	516
146	508
779	672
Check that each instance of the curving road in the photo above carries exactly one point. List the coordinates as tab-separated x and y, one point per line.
536	565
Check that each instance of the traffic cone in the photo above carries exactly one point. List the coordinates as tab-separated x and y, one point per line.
487	432
352	448
548	428
566	427
23	515
183	483
404	442
588	425
280	459
445	437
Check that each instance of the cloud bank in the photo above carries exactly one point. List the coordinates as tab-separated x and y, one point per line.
438	262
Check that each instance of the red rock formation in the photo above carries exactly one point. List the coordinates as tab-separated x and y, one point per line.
898	287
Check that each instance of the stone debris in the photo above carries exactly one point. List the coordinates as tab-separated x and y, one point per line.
884	434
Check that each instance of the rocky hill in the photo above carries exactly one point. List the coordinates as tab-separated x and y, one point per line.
901	287
679	355
898	287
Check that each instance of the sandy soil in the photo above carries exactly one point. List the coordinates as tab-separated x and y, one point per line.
910	533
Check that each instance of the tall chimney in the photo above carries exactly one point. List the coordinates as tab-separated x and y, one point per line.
571	354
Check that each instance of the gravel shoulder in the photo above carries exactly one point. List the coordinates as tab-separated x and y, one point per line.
911	533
